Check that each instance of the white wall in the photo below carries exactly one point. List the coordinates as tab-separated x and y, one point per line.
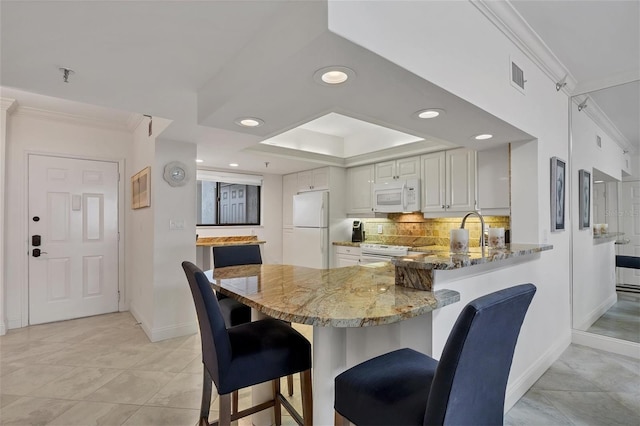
140	233
270	229
594	284
173	310
6	107
44	133
469	56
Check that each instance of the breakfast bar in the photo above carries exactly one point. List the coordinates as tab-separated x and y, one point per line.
342	305
357	312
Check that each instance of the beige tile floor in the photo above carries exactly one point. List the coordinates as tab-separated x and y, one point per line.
104	371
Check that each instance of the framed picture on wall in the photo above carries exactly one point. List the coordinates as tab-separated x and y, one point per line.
584	198
558	174
141	189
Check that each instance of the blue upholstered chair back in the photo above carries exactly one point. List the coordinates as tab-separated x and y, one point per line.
471	378
216	347
236	255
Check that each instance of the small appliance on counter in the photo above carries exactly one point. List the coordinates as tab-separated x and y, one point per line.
357	233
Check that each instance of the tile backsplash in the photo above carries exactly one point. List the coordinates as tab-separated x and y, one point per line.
414	230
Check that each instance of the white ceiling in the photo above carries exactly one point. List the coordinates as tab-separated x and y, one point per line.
204	64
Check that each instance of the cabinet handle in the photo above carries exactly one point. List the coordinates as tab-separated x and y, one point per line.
448	206
443	206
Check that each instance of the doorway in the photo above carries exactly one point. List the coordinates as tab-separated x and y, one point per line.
73	238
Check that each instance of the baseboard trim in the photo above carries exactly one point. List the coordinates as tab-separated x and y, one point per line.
163	333
606	343
522	384
598	312
144	324
178	330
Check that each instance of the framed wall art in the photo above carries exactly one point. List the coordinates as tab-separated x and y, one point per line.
558	175
584	198
141	189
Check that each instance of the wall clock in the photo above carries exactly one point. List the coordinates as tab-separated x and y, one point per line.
175	173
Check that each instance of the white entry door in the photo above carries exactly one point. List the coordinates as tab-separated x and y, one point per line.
630	224
73	238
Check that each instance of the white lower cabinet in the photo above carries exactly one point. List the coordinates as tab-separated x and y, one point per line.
346	256
288	252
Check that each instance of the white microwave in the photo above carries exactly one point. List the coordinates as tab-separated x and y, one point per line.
397	196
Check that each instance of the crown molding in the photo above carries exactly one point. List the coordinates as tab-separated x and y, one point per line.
601	120
8	105
504	16
83	120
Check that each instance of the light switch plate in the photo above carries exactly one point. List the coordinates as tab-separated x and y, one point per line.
379	229
176	224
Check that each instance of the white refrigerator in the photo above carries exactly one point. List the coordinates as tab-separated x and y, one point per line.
311	229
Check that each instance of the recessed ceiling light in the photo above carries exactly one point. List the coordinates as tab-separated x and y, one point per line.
333	75
233	164
429	113
249	122
199	160
484	136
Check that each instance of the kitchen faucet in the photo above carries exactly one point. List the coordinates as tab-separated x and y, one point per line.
477	213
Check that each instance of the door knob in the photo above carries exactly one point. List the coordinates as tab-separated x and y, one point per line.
38	252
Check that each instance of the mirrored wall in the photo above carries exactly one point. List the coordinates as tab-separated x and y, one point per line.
605	298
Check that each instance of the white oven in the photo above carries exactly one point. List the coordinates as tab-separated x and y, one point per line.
371	253
397	197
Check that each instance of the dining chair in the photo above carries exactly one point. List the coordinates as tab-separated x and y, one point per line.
246	355
233	311
466	387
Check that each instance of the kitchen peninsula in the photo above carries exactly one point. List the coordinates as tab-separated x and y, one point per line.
357	312
204	244
343	305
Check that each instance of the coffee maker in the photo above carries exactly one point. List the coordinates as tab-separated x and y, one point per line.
357	233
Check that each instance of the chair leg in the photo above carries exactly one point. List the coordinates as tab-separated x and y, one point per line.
234	402
340	421
277	406
224	418
307	397
206	397
290	384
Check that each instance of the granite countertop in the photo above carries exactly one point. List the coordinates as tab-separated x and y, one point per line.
228	241
346	244
438	257
353	296
416	270
608	236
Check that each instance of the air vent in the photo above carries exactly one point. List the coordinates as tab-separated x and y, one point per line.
517	76
599	141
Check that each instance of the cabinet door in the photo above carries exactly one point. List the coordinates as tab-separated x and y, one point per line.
408	168
343	260
320	179
305	181
433	182
386	171
359	189
289	189
288	251
461	180
493	179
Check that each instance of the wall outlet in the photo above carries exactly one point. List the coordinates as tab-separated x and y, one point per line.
379	229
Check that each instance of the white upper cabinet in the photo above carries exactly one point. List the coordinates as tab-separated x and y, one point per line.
493	181
360	189
289	189
314	180
449	181
404	168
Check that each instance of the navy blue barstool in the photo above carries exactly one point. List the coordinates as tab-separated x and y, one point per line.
246	355
233	311
466	387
